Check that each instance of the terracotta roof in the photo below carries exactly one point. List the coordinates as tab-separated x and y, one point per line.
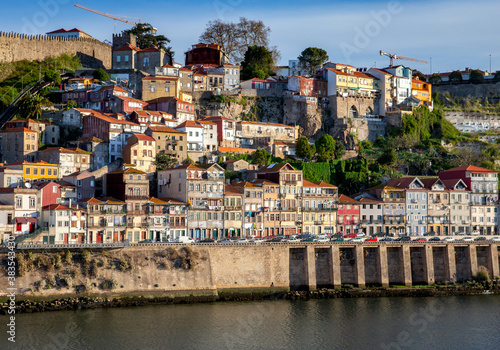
229	189
64	183
166	129
40	162
353	73
243	184
205	122
111	200
185	166
189	124
274	168
171	200
345	199
265	182
91	138
66	150
142	137
55	207
324	184
471	168
84	110
127	171
236	150
112	119
111	87
43	184
91	200
369	200
19	129
152	48
130	99
143	113
156	201
306	183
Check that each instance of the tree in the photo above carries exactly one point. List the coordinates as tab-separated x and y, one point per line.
52	77
497	76
419	75
325	148
31	106
100	74
258	63
146	38
261	157
435	79
164	161
312	58
303	148
389	157
236	38
339	150
71	104
476	77
455	76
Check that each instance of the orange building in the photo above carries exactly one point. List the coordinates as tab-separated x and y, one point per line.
422	90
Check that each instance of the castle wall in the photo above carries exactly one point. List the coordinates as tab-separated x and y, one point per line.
17	47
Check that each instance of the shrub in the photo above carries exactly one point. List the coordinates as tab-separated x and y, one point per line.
109	284
68	258
482	274
85	256
51	281
58	261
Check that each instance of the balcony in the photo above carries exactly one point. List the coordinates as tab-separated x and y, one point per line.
137	198
318	222
290	182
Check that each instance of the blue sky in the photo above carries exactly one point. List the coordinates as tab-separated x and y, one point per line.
456	34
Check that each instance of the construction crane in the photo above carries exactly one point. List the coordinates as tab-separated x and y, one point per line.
153	30
397	57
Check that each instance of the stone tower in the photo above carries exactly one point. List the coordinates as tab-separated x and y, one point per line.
122	39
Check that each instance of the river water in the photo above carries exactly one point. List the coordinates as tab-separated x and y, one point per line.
467	322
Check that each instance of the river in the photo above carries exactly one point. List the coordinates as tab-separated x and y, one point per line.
465	322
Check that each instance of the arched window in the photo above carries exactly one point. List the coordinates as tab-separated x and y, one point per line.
353	112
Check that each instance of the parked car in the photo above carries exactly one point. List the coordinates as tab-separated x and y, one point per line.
404	239
322	239
448	239
460	233
475	233
225	240
421	239
340	239
350	235
146	241
308	239
356	239
467	239
184	239
495	239
241	240
276	240
481	238
360	234
207	240
434	239
257	240
371	239
387	239
292	240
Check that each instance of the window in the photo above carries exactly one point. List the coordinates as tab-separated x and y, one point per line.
126	58
118	58
152	88
79	183
28	171
146	62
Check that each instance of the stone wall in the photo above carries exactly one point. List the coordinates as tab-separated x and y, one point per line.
489	91
17	47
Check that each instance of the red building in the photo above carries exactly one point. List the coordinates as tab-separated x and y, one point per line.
205	54
348	215
50	192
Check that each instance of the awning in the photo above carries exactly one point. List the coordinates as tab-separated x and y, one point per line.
32	219
21	220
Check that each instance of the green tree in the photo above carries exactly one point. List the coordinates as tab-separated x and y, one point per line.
100	74
303	148
325	148
455	76
497	76
164	161
146	38
389	157
419	75
312	58
31	106
258	63
261	157
435	79
71	104
339	150
476	77
52	77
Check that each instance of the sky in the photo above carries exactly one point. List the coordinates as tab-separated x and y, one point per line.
449	35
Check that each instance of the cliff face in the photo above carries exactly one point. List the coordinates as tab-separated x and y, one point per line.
274	109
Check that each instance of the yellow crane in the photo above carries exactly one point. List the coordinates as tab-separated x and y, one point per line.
398	57
117	18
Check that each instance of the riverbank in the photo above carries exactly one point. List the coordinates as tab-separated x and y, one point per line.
31	305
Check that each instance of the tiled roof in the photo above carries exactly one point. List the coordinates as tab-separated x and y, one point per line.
306	183
66	150
345	199
324	184
353	74
236	150
112	119
142	137
229	189
20	129
127	47
471	168
130	99
160	78
171	200
189	124
265	182
55	207
40	162
369	200
274	168
91	201
166	129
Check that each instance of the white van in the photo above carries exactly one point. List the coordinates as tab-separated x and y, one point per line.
184	239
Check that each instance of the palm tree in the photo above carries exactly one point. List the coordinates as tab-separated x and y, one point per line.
31	106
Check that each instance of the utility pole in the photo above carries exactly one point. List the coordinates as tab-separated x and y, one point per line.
490	63
431	66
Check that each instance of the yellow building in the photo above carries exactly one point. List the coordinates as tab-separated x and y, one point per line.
346	81
37	171
422	91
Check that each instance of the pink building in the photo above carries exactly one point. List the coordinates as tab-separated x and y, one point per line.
348	215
